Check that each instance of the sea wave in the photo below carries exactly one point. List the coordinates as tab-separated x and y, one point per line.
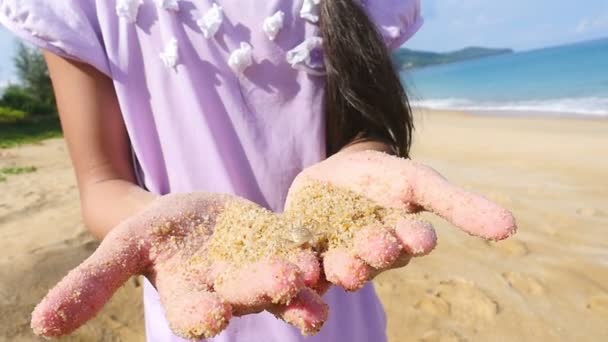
588	106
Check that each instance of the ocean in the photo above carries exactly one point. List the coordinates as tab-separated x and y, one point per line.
564	80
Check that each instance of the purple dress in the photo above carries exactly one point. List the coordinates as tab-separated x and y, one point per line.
220	96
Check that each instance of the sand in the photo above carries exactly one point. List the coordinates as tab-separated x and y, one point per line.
548	283
321	217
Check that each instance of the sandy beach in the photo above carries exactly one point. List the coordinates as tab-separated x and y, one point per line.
547	283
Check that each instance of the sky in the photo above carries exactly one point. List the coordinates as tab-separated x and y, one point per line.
454	24
517	24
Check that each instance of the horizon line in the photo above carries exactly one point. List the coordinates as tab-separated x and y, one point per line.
509	48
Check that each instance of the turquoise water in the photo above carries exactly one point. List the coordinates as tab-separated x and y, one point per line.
570	79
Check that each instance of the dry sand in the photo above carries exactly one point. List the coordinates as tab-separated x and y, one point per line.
548	283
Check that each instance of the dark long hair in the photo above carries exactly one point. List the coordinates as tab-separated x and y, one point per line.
364	98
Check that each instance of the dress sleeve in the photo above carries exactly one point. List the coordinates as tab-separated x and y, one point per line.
69	28
397	20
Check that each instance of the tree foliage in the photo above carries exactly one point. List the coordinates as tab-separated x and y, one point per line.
34	92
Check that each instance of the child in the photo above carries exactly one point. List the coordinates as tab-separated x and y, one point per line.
176	96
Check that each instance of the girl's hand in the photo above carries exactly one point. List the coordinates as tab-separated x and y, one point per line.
402	187
213	256
169	242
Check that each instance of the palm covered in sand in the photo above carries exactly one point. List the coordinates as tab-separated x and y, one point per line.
213	256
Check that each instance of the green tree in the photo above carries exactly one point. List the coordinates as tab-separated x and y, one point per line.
34	94
33	73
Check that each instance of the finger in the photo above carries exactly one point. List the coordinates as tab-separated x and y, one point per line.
322	286
312	273
377	246
84	291
192	311
307	312
308	263
345	270
470	212
402	261
259	284
416	237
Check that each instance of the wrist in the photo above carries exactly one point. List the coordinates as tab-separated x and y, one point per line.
106	204
359	145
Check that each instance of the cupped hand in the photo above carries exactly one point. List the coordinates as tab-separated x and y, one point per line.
394	189
175	244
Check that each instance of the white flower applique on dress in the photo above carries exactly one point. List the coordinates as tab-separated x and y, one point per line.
128	9
211	21
308	56
393	32
310	10
241	58
274	24
171	54
169	5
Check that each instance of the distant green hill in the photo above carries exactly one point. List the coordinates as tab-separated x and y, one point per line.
409	59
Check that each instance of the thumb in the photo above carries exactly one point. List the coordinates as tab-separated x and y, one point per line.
83	292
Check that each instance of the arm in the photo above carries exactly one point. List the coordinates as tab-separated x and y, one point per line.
98	144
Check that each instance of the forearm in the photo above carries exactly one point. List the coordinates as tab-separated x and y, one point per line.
98	143
106	203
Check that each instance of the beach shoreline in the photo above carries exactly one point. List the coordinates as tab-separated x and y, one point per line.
525	114
547	283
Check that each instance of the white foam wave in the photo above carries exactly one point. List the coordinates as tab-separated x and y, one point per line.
590	106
